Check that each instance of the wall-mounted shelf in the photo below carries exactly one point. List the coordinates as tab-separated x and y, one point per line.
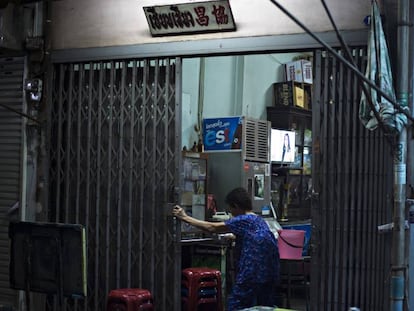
291	184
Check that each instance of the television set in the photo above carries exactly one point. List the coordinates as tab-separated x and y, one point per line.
282	146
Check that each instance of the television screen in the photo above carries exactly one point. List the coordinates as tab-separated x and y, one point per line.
282	146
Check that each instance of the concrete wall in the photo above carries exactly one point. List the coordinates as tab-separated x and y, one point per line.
100	23
229	85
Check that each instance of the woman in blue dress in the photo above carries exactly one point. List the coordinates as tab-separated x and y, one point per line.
257	254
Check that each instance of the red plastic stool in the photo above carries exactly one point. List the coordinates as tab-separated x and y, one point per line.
201	287
129	299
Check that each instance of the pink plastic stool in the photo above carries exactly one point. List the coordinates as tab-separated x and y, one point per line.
202	287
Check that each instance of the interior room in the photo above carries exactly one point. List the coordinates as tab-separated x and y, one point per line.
266	87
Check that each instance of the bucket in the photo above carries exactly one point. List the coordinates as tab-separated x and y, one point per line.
290	243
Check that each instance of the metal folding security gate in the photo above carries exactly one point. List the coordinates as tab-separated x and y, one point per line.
12	129
353	186
113	167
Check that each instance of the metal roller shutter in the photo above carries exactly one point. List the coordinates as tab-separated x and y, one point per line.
11	132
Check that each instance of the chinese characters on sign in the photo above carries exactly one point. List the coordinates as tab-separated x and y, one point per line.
196	17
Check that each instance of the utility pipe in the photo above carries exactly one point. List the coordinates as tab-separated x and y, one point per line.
398	270
410	169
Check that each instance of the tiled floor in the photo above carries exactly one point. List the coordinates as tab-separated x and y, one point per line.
297	302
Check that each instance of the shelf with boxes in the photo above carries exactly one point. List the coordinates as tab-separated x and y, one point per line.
291	111
296	90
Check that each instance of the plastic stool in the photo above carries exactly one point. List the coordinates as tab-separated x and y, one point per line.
130	299
201	287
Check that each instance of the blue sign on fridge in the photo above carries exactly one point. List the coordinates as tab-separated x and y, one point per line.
220	134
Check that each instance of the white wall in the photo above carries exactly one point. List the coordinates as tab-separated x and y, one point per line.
190	93
98	23
233	85
260	72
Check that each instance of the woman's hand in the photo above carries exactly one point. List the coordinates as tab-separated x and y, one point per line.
179	212
213	227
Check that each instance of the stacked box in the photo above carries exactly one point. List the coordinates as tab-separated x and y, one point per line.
299	71
307	96
289	94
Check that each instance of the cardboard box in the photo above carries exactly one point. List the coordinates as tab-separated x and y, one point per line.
299	71
307	88
289	94
298	96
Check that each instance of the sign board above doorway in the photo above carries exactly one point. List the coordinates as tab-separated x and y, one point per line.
186	18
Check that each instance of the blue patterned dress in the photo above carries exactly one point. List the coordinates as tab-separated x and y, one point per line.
257	266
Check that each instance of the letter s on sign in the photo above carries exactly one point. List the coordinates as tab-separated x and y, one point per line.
220	137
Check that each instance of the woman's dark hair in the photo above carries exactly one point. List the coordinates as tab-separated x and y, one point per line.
240	198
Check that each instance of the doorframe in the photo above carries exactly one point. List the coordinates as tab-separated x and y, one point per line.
259	44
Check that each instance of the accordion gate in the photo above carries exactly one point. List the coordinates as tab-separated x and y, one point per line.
113	166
